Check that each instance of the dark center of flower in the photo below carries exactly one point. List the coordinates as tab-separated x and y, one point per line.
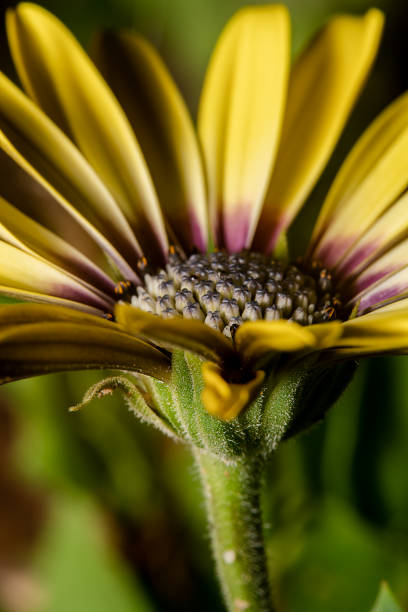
224	290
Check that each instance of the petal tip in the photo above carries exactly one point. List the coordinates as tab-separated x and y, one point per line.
226	400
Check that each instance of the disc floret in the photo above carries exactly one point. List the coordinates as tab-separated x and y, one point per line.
226	289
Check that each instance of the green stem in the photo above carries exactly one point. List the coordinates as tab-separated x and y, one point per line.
232	495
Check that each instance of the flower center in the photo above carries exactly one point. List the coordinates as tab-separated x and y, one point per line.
224	290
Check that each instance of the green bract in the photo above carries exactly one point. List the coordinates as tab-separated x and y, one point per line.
288	402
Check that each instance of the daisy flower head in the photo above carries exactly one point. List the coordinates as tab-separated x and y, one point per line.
150	247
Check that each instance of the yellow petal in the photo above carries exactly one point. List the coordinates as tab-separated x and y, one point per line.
56	158
390	287
27	235
399	304
21	270
21	314
32	194
226	400
378	332
372	177
188	334
163	128
388	264
40	348
63	81
44	298
256	339
240	118
326	334
386	231
39	338
324	84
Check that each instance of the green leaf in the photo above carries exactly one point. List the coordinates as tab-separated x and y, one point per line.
385	601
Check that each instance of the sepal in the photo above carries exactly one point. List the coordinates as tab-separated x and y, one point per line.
298	398
288	401
136	397
224	439
322	386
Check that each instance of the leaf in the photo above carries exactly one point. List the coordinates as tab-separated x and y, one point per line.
385	601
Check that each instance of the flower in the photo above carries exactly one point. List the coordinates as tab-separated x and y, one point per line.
161	251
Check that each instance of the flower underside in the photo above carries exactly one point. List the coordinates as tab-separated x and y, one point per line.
224	290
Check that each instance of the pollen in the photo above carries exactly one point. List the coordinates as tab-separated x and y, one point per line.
224	290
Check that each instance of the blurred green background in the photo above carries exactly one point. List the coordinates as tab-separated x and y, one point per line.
98	513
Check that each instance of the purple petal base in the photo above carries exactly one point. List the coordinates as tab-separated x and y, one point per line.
198	238
382	295
267	236
103	303
364	283
357	257
236	228
329	253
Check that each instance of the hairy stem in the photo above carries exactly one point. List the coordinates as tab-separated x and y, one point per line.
232	495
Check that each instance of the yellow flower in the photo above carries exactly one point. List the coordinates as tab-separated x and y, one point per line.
142	237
